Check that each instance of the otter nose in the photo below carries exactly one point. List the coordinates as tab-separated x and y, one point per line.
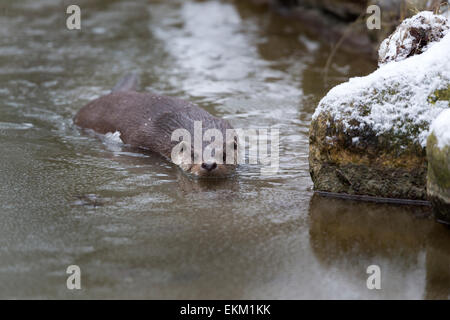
209	166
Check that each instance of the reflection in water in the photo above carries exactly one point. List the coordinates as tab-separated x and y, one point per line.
222	188
438	263
134	223
357	235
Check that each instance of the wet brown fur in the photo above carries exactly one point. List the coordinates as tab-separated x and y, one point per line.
146	121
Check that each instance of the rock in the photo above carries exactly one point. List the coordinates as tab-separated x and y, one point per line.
413	37
368	135
438	178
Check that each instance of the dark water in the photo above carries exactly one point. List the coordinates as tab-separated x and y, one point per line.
135	225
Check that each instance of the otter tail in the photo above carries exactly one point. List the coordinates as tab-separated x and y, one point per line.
129	82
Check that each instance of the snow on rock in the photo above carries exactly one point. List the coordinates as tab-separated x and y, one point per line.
414	36
438	175
401	98
441	129
368	135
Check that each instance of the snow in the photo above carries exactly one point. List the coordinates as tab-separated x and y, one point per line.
410	35
441	129
394	98
447	14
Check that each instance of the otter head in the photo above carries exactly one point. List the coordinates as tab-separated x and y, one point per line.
221	163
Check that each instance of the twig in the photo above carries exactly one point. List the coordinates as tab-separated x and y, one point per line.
338	44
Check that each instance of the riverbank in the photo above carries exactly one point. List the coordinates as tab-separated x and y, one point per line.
343	22
368	136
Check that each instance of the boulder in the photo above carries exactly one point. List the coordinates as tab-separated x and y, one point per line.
413	36
368	135
438	179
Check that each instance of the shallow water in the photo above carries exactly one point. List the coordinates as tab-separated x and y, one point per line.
139	228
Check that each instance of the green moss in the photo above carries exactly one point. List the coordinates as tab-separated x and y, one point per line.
440	95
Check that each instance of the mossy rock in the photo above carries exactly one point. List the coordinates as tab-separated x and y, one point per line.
385	165
368	136
440	95
438	180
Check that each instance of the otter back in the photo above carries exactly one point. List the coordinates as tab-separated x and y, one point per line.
145	120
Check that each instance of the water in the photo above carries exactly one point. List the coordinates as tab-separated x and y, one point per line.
139	228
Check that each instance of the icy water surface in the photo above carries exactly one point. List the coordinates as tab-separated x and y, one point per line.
139	228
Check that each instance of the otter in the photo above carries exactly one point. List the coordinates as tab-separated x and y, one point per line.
146	121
